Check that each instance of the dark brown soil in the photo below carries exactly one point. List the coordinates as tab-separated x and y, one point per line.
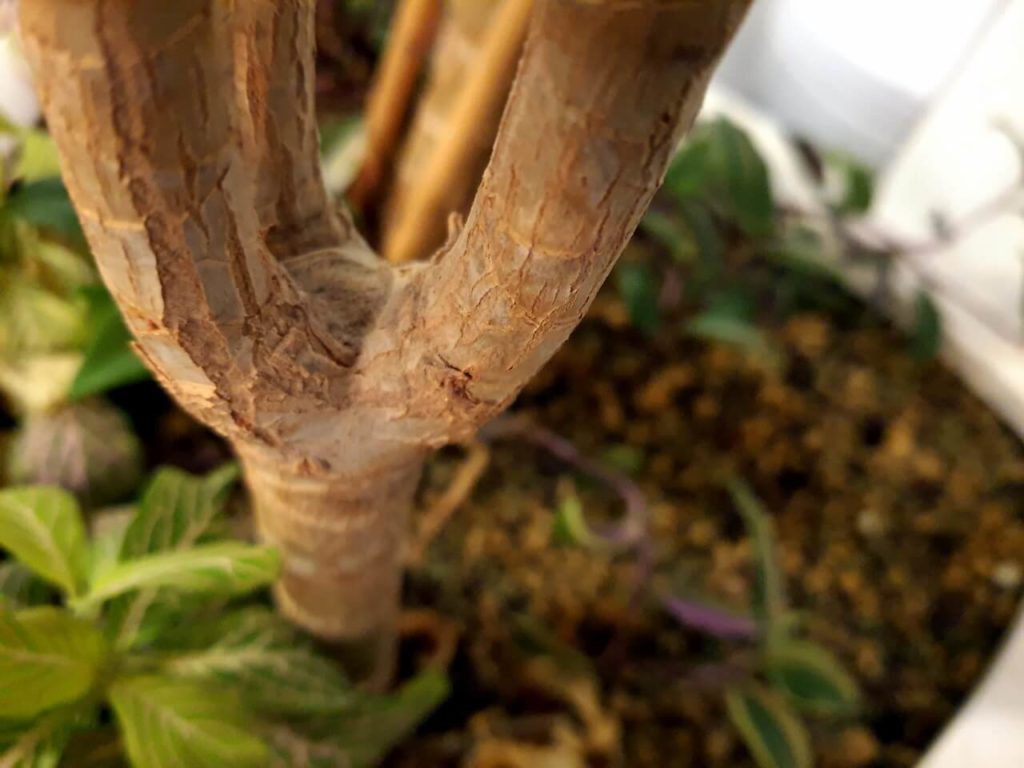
897	499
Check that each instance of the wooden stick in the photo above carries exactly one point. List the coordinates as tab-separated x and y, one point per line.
413	28
446	182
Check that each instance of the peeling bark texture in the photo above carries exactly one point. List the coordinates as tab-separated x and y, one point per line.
603	94
444	170
188	143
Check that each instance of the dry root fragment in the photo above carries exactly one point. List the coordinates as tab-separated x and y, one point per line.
441	636
434	519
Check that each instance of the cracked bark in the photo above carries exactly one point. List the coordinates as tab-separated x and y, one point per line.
188	142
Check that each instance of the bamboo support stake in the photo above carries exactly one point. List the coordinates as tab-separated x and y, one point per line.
412	34
448	179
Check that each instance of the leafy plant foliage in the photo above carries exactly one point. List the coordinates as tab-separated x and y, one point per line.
740	261
796	675
145	634
61	336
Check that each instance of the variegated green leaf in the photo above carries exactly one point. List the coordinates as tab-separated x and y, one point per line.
811	676
170	723
363	735
228	568
176	511
769	594
109	360
33	319
40	745
44	203
35	383
774	735
20	588
47	657
107	531
274	671
720	165
42	527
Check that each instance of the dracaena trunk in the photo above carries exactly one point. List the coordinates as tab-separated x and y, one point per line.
188	142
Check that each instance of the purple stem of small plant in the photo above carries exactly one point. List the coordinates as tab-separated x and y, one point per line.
634	530
633	533
709	619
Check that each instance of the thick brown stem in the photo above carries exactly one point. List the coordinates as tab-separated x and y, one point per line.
603	94
342	540
186	135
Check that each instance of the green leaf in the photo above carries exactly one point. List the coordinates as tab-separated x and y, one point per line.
20	588
728	322
639	292
107	528
109	360
87	448
704	236
811	677
39	159
34	319
570	526
47	657
769	595
662	228
58	268
39	746
690	234
177	510
926	334
266	662
178	723
364	734
227	568
799	250
42	527
774	735
721	165
856	183
45	204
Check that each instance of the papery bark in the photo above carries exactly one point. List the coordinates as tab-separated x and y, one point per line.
188	142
